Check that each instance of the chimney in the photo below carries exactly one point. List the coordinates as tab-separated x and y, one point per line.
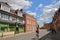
18	10
21	10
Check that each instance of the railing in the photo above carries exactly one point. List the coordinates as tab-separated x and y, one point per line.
21	22
12	21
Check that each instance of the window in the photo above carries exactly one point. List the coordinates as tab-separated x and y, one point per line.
21	21
14	19
17	19
19	14
10	18
4	16
5	7
28	21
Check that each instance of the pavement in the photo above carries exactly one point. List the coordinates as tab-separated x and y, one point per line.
51	36
5	34
28	36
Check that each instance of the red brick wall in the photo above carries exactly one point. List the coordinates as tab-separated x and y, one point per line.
45	26
29	22
56	20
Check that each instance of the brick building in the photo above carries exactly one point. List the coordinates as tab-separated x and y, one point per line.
47	25
30	23
14	20
55	22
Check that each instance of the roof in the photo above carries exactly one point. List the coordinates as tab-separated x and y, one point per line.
5	3
29	15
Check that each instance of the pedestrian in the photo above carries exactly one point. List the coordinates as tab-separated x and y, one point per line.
53	30
37	32
48	29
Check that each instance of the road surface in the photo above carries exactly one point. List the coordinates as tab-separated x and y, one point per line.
29	36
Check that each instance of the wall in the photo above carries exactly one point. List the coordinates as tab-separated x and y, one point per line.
30	23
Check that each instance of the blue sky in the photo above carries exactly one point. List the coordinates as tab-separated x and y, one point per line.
39	11
42	10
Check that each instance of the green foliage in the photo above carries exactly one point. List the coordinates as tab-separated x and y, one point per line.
41	27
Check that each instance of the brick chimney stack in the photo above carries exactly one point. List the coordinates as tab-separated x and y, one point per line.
21	10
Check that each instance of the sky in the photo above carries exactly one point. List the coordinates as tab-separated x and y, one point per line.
42	10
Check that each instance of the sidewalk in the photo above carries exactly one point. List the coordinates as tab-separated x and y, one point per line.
11	34
5	34
43	33
27	36
51	36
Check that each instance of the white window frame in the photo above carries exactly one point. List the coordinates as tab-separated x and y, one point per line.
20	14
5	7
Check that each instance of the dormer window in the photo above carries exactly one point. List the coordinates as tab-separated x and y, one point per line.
19	14
5	7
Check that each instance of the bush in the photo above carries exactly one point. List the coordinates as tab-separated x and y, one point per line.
41	27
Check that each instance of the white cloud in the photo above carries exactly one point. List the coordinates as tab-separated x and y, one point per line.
18	3
39	6
31	13
49	11
54	1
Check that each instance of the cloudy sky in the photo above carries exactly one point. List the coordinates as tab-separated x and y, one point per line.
42	10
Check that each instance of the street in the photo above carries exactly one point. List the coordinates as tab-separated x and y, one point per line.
29	36
51	36
29	19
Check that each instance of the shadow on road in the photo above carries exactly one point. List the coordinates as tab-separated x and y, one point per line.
51	36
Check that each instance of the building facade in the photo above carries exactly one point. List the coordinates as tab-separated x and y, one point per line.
10	20
55	22
15	20
30	23
48	25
